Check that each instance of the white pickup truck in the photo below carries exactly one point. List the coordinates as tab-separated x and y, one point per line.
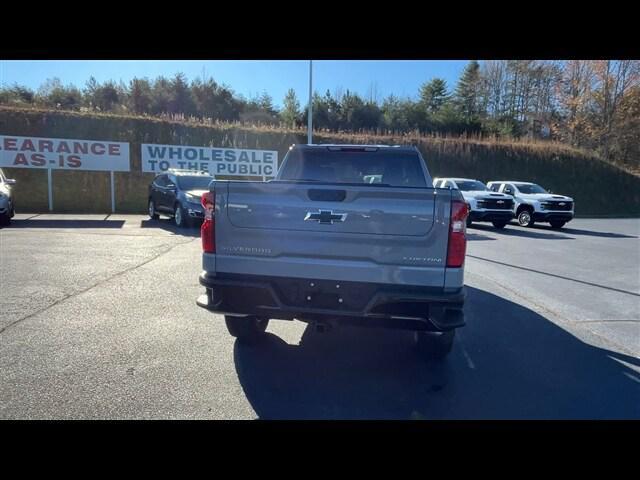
534	204
484	205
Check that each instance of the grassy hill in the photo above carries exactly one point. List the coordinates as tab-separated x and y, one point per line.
598	187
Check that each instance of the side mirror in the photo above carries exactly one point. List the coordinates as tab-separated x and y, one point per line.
10	181
508	191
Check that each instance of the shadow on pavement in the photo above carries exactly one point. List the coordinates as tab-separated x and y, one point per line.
475	236
52	223
169	226
514	231
590	233
508	362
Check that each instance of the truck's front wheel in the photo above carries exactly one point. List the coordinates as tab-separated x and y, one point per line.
525	218
246	329
435	345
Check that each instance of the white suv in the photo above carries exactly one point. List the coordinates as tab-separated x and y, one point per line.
484	205
7	207
534	204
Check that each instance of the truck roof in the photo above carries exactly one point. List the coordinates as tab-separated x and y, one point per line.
511	181
320	146
457	179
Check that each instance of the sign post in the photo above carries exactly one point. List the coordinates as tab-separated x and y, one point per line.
113	193
50	189
310	114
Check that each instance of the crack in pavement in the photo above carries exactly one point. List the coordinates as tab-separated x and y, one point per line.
101	282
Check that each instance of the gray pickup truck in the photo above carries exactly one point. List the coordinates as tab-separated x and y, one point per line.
345	234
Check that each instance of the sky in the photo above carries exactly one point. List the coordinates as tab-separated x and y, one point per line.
249	77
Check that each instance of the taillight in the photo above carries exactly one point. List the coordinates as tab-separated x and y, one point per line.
457	233
208	229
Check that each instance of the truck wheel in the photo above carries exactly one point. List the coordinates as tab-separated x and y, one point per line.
499	225
247	330
559	224
469	222
525	219
152	210
5	219
435	345
180	218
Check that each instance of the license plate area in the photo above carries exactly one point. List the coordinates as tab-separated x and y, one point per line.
324	294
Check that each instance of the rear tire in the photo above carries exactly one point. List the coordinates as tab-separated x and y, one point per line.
435	345
525	218
180	218
153	214
557	225
247	330
499	225
469	221
5	220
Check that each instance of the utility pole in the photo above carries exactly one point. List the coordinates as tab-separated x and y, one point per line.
309	111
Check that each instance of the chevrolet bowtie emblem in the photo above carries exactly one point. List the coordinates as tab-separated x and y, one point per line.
325	217
500	201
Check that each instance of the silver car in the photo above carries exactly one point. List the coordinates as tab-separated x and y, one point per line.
7	205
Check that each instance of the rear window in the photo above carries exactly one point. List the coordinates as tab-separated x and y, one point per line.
384	168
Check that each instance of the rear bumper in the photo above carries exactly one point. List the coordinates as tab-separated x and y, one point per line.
552	216
491	215
396	306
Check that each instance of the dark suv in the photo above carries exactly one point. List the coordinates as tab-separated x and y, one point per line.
177	193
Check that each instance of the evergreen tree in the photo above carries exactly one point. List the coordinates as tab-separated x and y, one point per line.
140	95
291	109
467	91
180	100
433	95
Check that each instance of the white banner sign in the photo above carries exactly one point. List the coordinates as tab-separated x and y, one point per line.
62	153
217	161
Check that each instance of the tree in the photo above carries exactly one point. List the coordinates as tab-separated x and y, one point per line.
180	100
468	91
433	95
53	94
290	109
140	95
17	94
160	95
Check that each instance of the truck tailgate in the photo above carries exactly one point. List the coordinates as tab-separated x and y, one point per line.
312	230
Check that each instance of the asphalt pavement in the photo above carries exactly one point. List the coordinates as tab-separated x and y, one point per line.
98	320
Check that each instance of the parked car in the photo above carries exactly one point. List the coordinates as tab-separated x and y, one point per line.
7	203
343	234
534	204
177	193
484	205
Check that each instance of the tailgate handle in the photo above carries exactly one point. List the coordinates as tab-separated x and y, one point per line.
321	195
